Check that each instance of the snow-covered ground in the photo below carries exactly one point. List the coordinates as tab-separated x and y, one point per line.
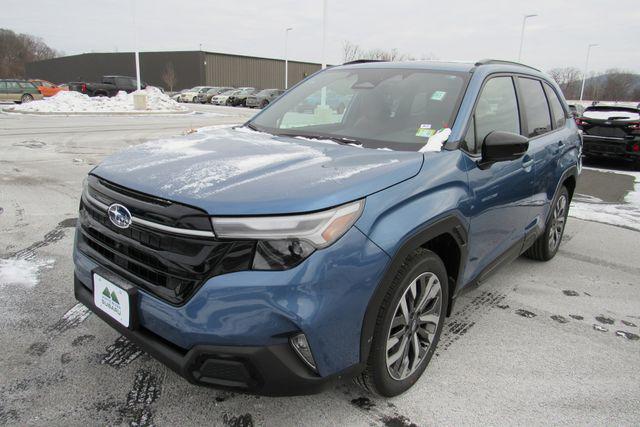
21	272
625	214
78	103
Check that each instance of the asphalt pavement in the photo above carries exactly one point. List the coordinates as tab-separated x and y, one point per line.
536	344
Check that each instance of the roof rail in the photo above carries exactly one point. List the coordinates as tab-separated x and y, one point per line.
363	61
499	61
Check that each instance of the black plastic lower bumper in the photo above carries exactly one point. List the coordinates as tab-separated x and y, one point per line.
271	370
610	147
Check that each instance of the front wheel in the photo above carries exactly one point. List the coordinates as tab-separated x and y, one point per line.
408	326
546	246
26	98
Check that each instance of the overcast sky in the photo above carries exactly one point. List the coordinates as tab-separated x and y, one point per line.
445	29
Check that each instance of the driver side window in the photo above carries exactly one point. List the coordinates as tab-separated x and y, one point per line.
496	109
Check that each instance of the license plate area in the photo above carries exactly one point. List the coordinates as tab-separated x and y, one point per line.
115	297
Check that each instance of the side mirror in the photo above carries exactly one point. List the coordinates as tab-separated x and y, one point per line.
501	146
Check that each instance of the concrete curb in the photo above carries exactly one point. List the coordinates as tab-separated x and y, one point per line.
12	110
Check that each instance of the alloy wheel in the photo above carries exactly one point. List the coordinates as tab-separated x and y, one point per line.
414	325
558	220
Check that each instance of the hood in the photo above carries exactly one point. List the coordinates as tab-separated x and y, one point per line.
236	171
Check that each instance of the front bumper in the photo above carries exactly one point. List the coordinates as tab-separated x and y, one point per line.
610	147
269	370
246	318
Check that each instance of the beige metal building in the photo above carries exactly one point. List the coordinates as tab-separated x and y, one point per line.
191	68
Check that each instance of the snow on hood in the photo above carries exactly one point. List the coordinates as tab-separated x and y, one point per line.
75	102
236	171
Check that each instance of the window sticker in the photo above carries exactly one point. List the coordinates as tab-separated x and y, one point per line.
425	131
438	95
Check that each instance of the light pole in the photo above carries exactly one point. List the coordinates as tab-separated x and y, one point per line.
324	34
135	42
286	59
524	21
586	68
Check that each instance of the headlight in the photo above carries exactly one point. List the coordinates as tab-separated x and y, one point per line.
284	241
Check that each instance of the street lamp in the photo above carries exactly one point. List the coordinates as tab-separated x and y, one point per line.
324	34
286	58
586	68
524	21
135	42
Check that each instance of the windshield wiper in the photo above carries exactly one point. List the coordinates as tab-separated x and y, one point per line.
339	139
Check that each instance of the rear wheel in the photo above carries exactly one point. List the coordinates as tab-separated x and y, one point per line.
408	327
264	103
26	98
546	246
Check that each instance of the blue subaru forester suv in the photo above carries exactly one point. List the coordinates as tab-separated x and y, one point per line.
311	244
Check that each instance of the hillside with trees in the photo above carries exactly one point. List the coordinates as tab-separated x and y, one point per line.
18	49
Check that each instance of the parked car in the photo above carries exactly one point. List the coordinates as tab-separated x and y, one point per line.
240	98
18	91
576	110
47	88
611	131
176	96
334	100
302	247
223	98
108	86
262	98
191	95
205	97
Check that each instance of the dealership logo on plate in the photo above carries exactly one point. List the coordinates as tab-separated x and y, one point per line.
110	301
119	215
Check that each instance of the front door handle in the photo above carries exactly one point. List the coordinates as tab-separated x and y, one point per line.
527	162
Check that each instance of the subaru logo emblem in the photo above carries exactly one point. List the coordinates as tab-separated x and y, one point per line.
119	215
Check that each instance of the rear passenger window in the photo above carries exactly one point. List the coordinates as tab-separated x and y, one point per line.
559	118
497	109
535	107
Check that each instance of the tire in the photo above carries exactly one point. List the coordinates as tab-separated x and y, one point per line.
264	103
26	98
546	246
421	275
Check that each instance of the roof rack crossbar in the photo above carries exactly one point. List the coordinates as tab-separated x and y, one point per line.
363	61
500	61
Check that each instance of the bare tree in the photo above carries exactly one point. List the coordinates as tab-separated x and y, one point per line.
16	50
619	85
169	76
569	79
350	51
353	52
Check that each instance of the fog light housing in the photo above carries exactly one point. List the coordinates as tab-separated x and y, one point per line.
300	345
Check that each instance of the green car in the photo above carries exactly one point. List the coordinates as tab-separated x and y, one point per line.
18	91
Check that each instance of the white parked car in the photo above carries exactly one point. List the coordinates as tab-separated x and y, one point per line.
192	94
224	96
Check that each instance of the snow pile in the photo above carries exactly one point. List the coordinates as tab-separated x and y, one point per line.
76	102
21	272
624	215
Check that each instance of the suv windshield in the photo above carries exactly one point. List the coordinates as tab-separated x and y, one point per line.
376	107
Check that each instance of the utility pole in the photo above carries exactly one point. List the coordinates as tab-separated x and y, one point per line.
135	42
586	68
286	58
524	22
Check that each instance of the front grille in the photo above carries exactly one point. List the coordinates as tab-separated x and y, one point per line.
170	266
612	132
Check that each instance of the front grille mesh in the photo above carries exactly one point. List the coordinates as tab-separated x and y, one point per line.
167	265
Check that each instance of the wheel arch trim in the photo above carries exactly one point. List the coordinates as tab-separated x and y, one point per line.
450	224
